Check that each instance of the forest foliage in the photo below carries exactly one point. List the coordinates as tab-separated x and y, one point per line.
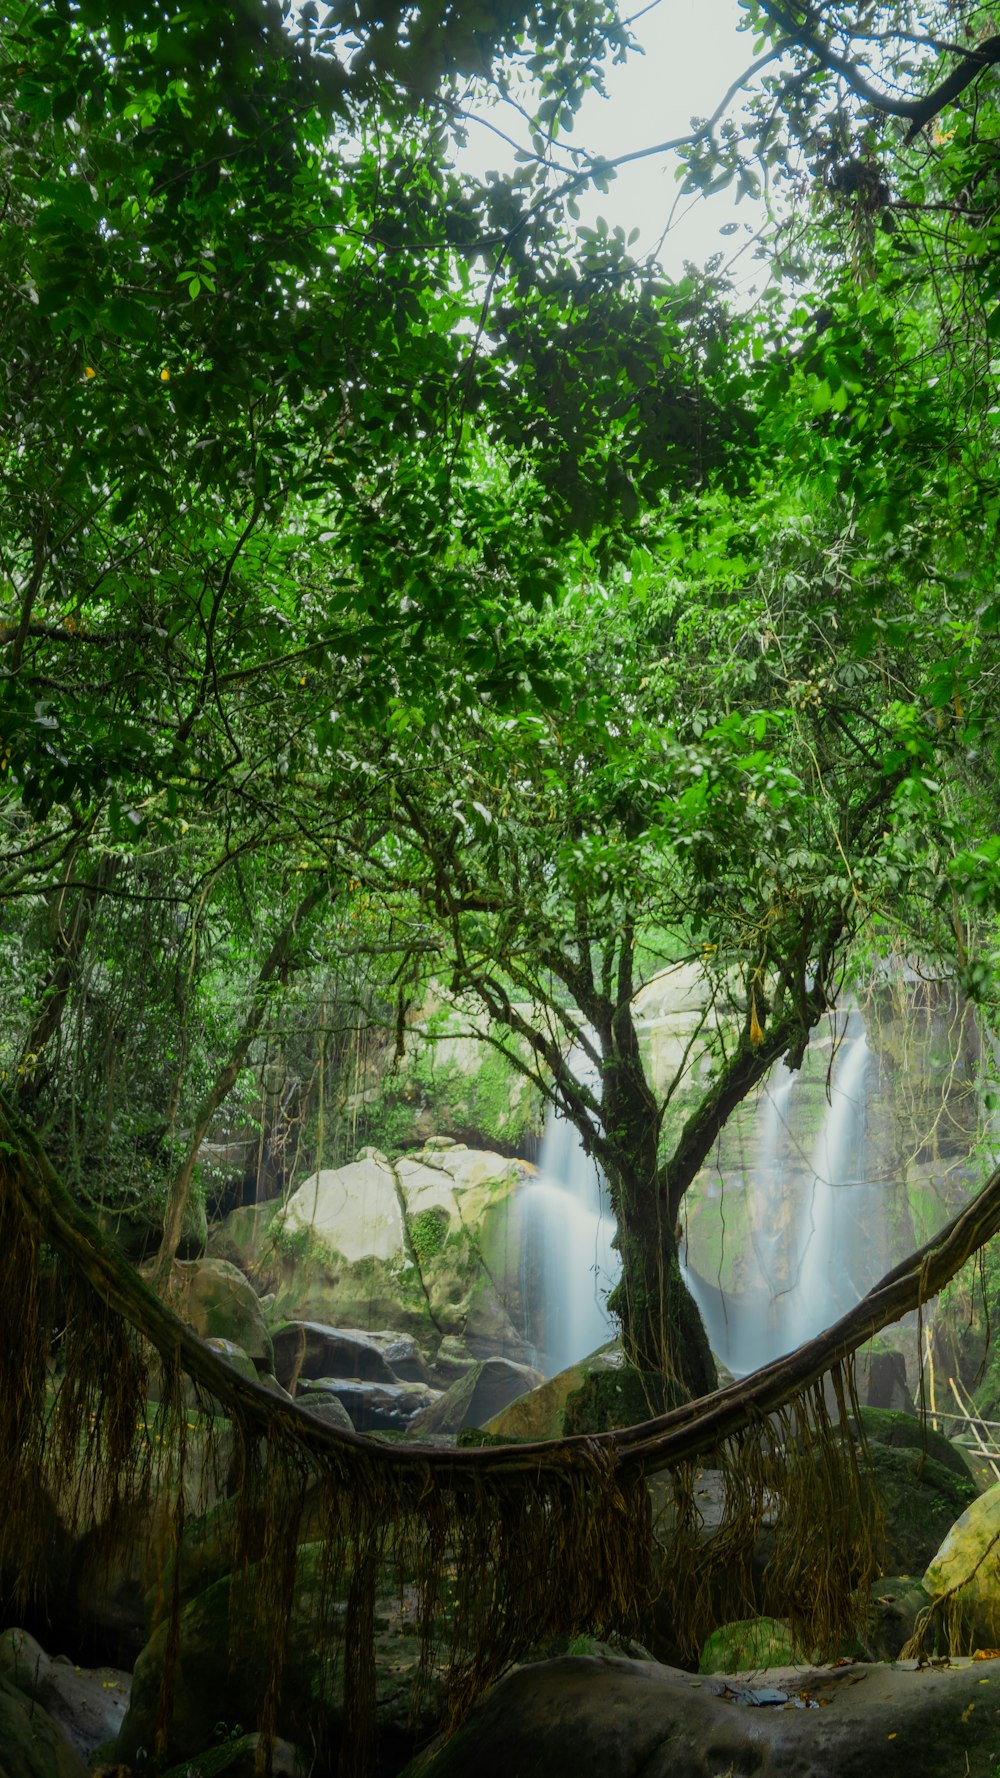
402	583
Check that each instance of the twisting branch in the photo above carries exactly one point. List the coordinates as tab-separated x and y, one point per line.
680	1436
920	111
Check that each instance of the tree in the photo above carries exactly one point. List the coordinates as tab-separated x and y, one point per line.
733	790
358	527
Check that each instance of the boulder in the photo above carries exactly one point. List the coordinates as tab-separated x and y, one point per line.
354	1211
967	1566
542	1413
427	1247
905	1431
372	1407
897	1603
235	1356
220	1672
594	1718
215	1299
241	1238
86	1704
328	1407
920	1501
880	1373
310	1349
452	1359
476	1398
748	1646
31	1746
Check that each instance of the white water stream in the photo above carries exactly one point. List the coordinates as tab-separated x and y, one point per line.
814	1230
567	1252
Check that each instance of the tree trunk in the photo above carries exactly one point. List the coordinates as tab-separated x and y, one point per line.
276	966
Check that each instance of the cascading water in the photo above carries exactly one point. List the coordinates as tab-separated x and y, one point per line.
837	1248
568	1263
746	1331
814	1225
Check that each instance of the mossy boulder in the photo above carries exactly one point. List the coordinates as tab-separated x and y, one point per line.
622	1396
747	1646
967	1567
220	1672
425	1246
542	1413
921	1500
902	1431
242	1237
215	1299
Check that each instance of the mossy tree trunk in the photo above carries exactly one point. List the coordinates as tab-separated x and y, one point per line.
620	1117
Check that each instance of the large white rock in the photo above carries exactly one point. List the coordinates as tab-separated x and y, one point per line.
354	1209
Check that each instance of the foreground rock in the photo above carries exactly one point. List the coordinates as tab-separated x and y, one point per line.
221	1670
31	1745
607	1718
964	1575
86	1704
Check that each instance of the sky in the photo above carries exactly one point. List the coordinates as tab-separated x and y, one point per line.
693	53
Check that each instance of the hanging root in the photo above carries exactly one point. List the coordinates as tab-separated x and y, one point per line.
499	1547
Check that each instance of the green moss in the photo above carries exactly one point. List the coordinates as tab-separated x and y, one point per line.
920	1501
623	1397
428	1233
883	1426
293	1243
749	1646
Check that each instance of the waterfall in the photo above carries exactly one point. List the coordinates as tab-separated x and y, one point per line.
746	1331
837	1244
568	1264
814	1236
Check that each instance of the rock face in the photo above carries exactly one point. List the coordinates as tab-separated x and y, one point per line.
427	1247
606	1718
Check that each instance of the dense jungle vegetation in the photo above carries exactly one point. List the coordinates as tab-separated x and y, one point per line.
402	585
